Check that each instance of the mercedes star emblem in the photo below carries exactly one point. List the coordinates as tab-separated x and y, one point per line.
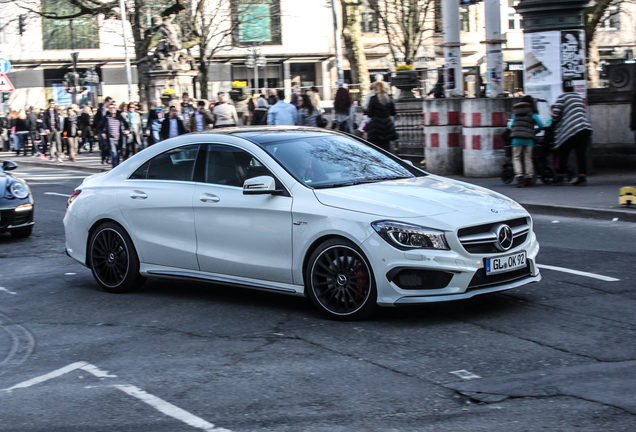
504	237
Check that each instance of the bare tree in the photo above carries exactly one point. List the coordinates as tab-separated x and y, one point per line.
405	24
354	48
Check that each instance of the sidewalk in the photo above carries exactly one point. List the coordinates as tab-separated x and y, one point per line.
597	200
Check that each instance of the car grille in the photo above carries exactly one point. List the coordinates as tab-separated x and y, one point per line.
481	239
11	218
481	280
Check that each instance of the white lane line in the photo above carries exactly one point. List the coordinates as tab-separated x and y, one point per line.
55	193
46	377
579	273
99	373
168	409
464	374
6	290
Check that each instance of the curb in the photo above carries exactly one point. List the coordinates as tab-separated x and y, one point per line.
582	212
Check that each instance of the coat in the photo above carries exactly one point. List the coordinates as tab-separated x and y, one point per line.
165	128
103	127
136	128
71	126
84	124
46	118
380	128
524	123
208	121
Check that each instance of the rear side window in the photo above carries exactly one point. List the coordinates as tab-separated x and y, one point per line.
175	164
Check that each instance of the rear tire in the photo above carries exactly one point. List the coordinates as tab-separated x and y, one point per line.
339	281
113	259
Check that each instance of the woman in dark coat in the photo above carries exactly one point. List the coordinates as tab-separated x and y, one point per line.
84	124
381	130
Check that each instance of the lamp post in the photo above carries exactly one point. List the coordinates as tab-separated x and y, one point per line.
122	9
254	61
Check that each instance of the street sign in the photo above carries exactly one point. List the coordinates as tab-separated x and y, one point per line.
5	65
5	84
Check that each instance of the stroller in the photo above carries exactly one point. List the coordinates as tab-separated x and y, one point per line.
544	157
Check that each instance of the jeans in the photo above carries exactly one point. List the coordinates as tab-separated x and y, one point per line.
114	152
155	127
56	148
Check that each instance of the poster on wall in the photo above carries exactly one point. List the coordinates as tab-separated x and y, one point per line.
549	59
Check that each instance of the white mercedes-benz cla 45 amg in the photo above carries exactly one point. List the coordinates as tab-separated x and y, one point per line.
302	211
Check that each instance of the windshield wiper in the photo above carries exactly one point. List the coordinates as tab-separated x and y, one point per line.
357	182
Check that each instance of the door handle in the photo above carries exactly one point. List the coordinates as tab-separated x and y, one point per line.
138	194
209	197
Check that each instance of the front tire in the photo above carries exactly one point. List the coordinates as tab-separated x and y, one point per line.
113	259
339	281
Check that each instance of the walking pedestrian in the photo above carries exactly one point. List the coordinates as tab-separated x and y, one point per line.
84	124
201	119
72	132
187	109
53	127
4	127
156	116
572	132
172	126
20	131
260	112
225	114
344	112
104	144
43	140
113	128
272	98
282	113
314	95
134	138
524	119
381	129
32	125
307	113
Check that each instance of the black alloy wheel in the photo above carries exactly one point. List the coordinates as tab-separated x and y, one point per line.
113	259
340	282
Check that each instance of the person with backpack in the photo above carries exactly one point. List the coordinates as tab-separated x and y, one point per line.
259	117
344	112
524	119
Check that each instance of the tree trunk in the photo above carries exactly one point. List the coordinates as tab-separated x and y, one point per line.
354	49
137	20
204	69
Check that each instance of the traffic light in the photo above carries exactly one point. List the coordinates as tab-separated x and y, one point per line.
5	96
21	24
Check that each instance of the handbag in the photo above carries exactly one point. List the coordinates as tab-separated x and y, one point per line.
321	122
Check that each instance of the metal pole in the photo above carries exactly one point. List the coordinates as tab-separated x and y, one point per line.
336	36
122	11
494	55
74	60
452	49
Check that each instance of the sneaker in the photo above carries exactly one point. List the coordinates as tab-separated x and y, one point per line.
581	181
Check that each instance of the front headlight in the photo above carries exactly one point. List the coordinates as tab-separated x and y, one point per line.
19	190
405	236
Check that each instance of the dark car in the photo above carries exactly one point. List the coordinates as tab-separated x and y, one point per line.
16	203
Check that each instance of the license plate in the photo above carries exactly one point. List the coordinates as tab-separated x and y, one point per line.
506	263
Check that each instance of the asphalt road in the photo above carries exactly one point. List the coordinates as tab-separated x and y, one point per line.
174	356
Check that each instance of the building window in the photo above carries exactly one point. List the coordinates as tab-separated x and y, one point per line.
257	22
514	19
464	18
612	18
370	23
78	33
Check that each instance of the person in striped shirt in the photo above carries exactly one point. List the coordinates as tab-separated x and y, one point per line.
572	132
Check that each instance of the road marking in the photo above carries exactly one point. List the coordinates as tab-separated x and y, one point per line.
55	193
464	374
157	403
46	377
6	290
579	273
22	343
168	409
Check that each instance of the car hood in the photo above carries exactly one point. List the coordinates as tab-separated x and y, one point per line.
421	196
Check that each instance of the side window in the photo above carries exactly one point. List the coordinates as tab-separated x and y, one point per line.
226	165
175	164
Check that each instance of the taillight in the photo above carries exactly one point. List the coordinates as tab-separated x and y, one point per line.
75	194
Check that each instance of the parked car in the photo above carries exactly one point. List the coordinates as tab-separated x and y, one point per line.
16	203
301	211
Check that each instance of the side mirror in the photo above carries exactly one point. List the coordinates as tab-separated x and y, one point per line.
263	185
9	165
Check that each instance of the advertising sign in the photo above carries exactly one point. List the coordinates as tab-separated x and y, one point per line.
549	59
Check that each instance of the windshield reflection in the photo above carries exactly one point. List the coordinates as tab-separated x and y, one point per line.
334	161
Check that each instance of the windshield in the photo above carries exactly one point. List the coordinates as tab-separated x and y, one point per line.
333	161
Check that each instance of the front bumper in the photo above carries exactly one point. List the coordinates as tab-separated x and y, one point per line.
12	219
467	270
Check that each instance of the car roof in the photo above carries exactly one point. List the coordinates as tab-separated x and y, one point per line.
267	134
